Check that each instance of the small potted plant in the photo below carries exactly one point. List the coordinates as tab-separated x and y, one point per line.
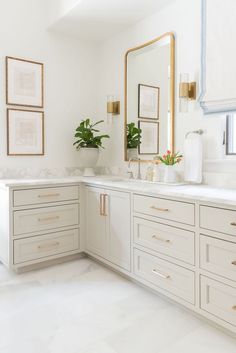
169	160
88	144
133	134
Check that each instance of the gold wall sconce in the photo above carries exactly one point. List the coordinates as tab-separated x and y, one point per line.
113	108
187	92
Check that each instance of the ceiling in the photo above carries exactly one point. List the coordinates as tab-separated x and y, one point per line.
101	19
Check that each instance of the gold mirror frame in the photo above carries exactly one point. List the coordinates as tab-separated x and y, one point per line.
172	89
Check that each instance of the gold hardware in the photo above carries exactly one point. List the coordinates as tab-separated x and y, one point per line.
49	245
104	204
188	90
113	108
160	274
234	307
49	195
160	239
159	209
233	263
233	224
101	204
48	219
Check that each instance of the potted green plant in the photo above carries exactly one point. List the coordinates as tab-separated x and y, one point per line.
88	144
170	159
133	136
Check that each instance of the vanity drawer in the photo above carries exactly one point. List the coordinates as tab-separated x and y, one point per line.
182	212
45	195
218	219
38	247
171	241
163	274
218	299
41	219
218	256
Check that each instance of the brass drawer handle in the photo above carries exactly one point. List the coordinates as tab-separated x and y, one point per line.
233	224
104	204
101	204
234	307
48	219
49	195
160	239
233	263
49	245
159	209
156	272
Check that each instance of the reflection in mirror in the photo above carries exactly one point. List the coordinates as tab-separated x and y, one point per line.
231	134
149	99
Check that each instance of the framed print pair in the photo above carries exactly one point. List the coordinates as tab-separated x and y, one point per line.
148	111
25	88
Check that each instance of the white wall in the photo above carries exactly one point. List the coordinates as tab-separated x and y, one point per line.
70	77
183	17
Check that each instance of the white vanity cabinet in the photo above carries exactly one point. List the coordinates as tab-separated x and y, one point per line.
39	223
181	247
108	222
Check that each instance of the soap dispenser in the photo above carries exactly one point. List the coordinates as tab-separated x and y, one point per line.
156	173
149	172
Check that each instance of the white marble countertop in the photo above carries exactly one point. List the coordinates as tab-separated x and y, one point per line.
203	193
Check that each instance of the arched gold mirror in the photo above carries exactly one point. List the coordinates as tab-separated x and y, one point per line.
149	98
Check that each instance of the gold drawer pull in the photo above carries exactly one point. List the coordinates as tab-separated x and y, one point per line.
56	243
48	219
104	204
233	263
234	307
159	209
156	272
49	195
160	239
233	224
101	204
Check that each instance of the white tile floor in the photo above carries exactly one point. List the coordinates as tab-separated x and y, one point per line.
81	307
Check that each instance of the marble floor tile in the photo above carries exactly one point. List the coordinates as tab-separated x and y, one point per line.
83	307
204	339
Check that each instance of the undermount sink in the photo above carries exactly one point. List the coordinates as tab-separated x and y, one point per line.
141	181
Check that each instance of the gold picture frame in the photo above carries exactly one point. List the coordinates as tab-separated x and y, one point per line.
25	135
24	83
155	131
141	92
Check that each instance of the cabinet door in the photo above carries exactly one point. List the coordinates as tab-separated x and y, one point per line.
118	228
96	238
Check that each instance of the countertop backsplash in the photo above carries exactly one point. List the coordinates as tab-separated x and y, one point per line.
224	180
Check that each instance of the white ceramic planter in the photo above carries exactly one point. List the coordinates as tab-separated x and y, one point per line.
132	153
88	158
170	174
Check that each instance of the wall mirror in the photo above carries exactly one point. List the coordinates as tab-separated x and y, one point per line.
149	98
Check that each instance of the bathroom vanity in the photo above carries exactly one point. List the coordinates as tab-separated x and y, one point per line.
179	241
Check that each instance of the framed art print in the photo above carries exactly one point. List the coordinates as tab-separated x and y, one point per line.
25	132
150	137
24	82
148	102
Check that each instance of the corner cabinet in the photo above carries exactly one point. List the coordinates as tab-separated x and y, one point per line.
108	225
